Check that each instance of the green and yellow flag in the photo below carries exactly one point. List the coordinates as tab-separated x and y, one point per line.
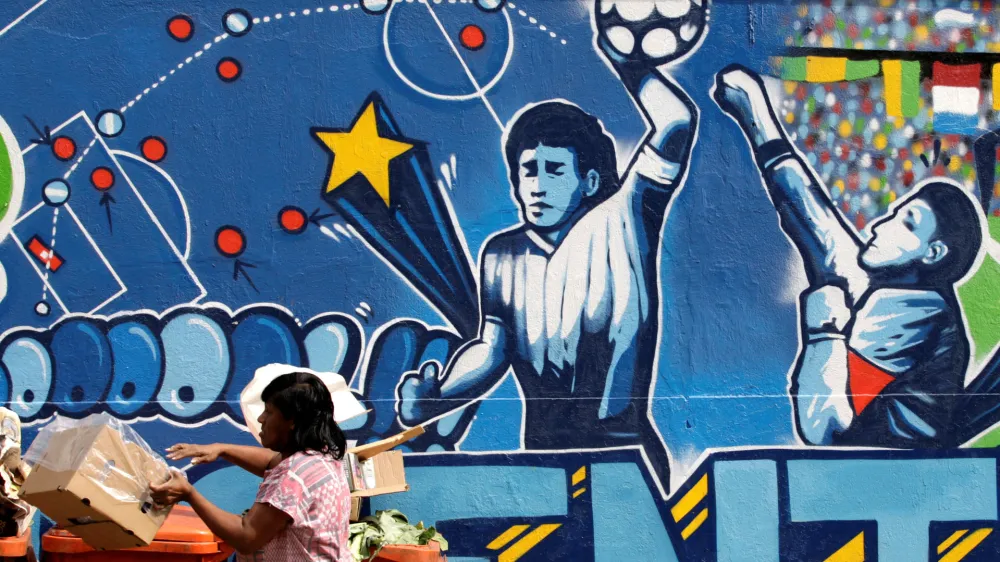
826	69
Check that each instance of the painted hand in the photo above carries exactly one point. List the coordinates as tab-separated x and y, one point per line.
826	309
740	93
673	116
417	394
199	454
173	491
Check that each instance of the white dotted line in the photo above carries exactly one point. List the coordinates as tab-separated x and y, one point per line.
181	65
80	159
51	254
319	10
512	7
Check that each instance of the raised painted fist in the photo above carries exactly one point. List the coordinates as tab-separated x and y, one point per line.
418	393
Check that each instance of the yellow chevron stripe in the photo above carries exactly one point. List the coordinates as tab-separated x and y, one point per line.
577	493
529	541
690	499
853	551
579	475
951	540
965	547
507	536
694	524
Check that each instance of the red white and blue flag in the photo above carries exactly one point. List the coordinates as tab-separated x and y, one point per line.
956	94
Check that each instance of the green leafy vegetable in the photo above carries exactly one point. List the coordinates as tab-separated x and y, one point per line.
368	536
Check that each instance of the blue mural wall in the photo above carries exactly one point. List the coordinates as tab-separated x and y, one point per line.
672	280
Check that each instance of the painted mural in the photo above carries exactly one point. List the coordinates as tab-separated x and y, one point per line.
670	280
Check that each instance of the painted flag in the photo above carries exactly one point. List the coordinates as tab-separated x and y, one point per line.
383	184
45	255
826	69
996	86
956	98
902	87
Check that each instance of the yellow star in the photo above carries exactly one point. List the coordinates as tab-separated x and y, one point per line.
362	151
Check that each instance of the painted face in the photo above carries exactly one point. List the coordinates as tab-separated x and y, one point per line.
550	187
275	429
901	239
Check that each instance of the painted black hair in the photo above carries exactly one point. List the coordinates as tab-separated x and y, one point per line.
305	400
959	227
562	125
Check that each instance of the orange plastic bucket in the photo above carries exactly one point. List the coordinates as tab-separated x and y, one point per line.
14	547
408	553
183	538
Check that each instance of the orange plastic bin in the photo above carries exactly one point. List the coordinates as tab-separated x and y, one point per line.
183	538
15	548
407	553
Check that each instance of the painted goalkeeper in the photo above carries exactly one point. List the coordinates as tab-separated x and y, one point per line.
884	346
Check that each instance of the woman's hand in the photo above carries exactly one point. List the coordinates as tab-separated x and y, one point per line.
173	491
199	454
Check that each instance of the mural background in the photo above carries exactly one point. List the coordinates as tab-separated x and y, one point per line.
208	228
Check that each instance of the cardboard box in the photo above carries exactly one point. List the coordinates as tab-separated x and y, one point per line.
356	508
386	465
95	484
390	477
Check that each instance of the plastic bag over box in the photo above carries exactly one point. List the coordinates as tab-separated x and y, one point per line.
141	464
15	514
92	477
345	404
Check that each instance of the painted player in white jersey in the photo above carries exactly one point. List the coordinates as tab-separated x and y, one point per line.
569	297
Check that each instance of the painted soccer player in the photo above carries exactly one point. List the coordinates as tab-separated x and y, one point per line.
884	346
569	297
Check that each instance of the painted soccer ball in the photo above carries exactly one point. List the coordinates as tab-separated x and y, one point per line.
652	31
11	178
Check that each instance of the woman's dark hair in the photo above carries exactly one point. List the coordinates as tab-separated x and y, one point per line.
562	125
305	400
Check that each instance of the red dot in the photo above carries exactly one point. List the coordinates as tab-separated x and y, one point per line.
64	148
472	37
229	69
153	149
180	28
230	242
292	220
102	178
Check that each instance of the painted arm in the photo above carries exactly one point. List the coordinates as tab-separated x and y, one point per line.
671	114
820	380
246	534
254	460
476	368
828	245
661	163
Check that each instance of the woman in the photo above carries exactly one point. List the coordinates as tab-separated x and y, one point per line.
303	506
